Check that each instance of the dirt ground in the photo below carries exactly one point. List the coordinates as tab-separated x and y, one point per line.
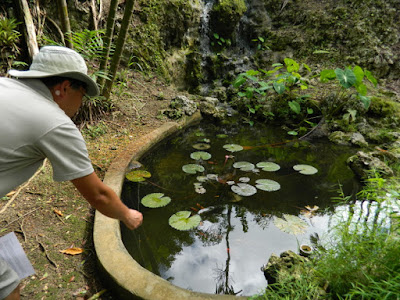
50	217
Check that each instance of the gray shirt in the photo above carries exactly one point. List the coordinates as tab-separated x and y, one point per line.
33	127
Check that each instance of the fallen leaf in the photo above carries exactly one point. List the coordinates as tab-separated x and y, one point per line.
72	251
71	279
44	276
58	212
11	193
97	295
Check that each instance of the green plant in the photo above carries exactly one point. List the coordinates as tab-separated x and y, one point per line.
283	86
352	84
9	38
94	131
219	43
261	43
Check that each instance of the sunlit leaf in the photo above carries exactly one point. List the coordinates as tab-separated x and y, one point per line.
327	75
58	212
155	200
138	175
192	168
183	221
267	185
222	135
268	166
72	251
233	147
305	169
291	224
201	146
243	166
244	189
200	155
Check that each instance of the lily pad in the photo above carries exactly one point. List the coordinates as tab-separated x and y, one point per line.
155	200
183	221
138	175
291	224
305	169
244	179
244	189
192	168
268	166
244	166
200	155
201	146
233	147
222	135
267	185
201	178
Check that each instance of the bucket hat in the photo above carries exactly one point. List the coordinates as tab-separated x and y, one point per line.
59	61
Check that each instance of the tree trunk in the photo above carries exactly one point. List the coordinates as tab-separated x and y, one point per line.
29	28
108	39
65	25
119	47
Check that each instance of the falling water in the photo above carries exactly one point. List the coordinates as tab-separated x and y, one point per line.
204	30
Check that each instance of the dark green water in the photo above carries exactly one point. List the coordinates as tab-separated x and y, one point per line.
237	234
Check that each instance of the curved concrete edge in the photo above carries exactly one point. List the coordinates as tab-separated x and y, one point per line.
120	271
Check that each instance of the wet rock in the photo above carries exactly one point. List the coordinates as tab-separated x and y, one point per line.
363	163
211	106
358	139
180	106
348	138
287	262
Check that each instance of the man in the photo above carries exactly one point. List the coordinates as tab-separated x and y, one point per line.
36	107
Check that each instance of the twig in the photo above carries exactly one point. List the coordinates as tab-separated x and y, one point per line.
22	216
47	255
22	187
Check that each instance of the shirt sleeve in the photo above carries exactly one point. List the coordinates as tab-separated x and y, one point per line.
66	149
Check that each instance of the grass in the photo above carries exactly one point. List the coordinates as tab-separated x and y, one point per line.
361	259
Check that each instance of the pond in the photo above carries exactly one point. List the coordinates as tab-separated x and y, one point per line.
239	230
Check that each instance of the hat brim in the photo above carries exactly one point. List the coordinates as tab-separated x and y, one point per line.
91	86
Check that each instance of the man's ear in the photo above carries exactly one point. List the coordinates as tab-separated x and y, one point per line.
63	87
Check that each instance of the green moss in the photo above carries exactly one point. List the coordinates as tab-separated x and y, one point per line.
225	15
383	107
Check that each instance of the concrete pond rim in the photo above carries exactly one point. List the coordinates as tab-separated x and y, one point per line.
126	278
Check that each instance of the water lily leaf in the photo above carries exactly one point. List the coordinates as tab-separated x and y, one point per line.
244	189
233	147
192	168
155	200
267	185
305	169
222	135
243	166
212	176
201	146
183	221
200	155
291	224
201	178
268	166
138	175
244	179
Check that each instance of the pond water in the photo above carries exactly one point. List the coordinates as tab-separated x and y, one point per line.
237	234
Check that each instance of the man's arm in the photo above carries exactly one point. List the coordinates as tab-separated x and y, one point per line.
105	200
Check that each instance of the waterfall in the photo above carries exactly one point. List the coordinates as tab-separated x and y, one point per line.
205	28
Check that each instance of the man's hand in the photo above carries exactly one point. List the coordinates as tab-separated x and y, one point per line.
133	219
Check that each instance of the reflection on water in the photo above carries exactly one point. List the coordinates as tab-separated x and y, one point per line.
237	234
